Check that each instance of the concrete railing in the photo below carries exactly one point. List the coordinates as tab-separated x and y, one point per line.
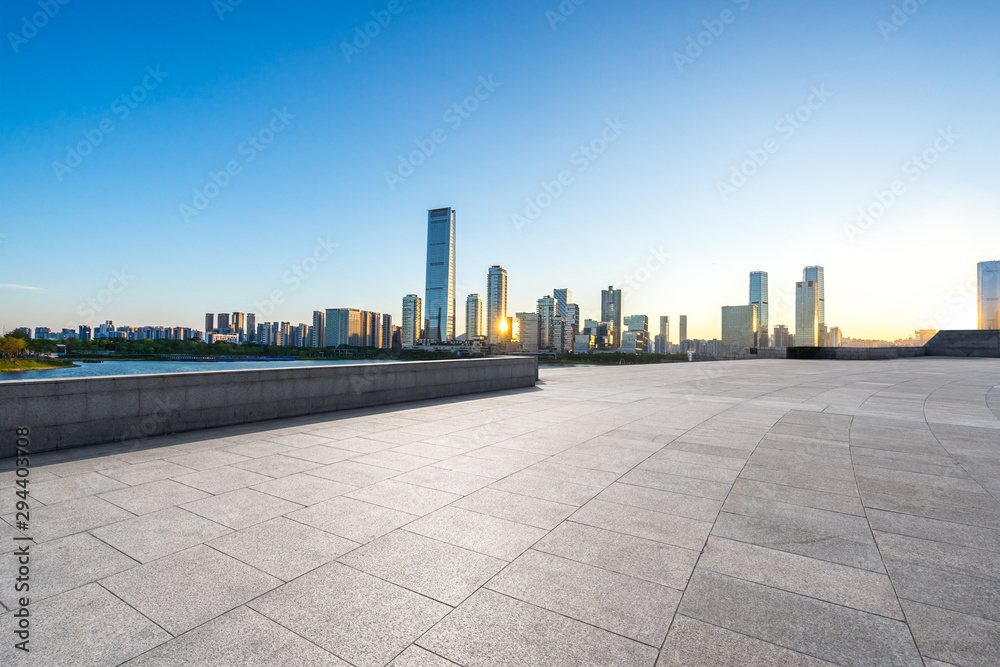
73	412
968	343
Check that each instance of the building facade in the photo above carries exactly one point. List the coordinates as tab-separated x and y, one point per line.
473	317
611	312
683	328
806	314
758	297
816	275
988	292
528	335
318	338
412	320
781	336
439	293
496	305
739	327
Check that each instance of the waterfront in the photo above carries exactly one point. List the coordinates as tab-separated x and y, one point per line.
109	367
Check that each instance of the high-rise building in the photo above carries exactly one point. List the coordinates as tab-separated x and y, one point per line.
84	332
343	327
815	274
988	284
209	322
371	329
683	323
496	305
611	312
251	327
222	323
318	336
386	331
412	320
546	310
439	301
662	342
834	337
635	338
572	326
238	322
563	297
528	334
806	314
739	327
473	317
758	297
781	336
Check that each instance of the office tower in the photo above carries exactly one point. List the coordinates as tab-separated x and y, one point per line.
317	336
834	337
439	301
739	327
635	338
781	336
611	312
988	291
546	310
496	305
209	322
386	331
371	329
222	323
563	297
411	320
558	340
473	317
573	316
528	334
343	327
662	341
84	332
251	327
683	328
238	322
758	297
806	314
815	274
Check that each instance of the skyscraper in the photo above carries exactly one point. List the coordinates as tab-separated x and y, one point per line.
683	328
473	317
343	327
563	297
318	329
546	310
209	322
386	331
496	304
988	281
238	322
252	327
439	301
806	314
739	327
815	274
758	297
611	312
223	323
411	320
663	339
781	336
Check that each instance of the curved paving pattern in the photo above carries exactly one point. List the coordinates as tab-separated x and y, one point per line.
744	513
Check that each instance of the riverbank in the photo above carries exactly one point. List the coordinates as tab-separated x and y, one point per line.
22	365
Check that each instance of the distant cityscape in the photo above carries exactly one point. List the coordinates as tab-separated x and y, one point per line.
553	326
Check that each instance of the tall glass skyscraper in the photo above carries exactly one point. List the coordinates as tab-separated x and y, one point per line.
758	297
411	320
611	312
806	314
496	304
815	274
563	296
473	317
988	277
439	293
684	328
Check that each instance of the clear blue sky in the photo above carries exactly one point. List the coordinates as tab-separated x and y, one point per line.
682	126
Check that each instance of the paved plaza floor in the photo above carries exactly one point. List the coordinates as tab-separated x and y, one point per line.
728	513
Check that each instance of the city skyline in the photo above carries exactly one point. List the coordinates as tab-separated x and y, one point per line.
882	140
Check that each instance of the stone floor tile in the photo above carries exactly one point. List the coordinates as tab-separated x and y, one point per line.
355	520
362	619
452	481
303	488
278	465
659	526
283	548
439	570
183	590
485	534
82	627
150	471
63	489
952	637
790	620
222	479
155	535
692	643
515	507
153	496
239	637
241	508
71	517
692	507
634	608
410	498
490	629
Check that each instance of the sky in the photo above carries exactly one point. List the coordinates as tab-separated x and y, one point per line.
161	160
